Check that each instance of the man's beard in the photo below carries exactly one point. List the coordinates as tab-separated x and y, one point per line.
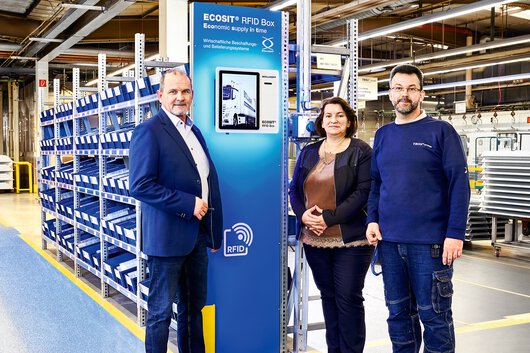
179	110
412	106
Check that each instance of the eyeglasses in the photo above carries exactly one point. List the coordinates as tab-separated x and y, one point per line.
411	90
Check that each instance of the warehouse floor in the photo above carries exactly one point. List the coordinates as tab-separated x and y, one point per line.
491	303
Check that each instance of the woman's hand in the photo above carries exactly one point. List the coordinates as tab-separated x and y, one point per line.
313	220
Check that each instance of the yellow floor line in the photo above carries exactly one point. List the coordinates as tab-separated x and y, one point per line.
492	288
511	320
131	325
499	262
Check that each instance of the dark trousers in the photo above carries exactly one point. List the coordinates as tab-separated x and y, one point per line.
339	274
179	279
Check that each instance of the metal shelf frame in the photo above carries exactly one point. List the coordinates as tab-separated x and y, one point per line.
127	112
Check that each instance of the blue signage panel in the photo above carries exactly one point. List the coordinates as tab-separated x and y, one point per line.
236	69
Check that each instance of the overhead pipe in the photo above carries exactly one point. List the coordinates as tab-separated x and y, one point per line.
372	12
469	76
303	40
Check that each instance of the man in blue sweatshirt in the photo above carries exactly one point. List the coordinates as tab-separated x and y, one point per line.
417	215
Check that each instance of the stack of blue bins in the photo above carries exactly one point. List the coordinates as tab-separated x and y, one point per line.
112	263
48	228
86	247
48	199
119	139
65	174
121	224
149	85
87	141
112	250
88	213
117	182
88	175
48	173
65	207
46	115
65	236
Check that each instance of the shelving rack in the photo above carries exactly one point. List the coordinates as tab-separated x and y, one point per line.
6	173
506	194
87	213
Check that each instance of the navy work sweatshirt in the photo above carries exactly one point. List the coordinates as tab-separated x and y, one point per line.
420	187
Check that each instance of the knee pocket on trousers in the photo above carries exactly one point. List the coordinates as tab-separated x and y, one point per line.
442	290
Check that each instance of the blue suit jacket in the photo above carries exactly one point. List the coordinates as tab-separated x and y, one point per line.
164	177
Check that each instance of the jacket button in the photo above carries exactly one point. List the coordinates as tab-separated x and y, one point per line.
198	181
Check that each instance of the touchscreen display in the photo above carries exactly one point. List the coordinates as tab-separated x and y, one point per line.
238	97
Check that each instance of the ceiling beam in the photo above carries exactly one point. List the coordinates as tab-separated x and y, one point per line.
93	21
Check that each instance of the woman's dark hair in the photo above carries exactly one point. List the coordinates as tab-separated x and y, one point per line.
350	114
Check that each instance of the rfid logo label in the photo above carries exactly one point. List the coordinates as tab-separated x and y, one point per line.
237	240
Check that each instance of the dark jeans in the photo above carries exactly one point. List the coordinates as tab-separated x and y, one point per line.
339	274
417	287
180	279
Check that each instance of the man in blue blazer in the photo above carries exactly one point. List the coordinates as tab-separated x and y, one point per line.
173	176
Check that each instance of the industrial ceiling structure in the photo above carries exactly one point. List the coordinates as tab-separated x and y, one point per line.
446	38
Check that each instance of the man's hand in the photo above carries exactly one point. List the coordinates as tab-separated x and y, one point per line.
452	250
373	234
201	207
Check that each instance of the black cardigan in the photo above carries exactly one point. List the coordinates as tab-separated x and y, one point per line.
352	186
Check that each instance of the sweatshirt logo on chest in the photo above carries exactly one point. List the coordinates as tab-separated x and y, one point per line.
421	144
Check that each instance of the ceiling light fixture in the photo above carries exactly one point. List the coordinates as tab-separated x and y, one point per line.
499	43
509	61
463	68
475	82
479	81
435	17
122	70
68	5
46	40
16	57
279	5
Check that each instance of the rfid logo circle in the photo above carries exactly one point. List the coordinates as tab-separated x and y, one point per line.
237	240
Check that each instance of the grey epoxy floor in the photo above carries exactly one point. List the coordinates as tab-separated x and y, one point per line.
43	311
491	302
491	305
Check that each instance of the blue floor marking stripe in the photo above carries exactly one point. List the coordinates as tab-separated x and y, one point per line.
46	313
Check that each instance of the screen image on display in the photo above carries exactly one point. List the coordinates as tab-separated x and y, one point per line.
238	100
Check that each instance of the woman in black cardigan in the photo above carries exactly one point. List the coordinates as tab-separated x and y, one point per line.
328	194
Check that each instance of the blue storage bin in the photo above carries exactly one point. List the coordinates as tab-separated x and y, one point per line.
144	288
110	96
154	82
118	94
110	264
93	98
127	90
144	86
112	251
